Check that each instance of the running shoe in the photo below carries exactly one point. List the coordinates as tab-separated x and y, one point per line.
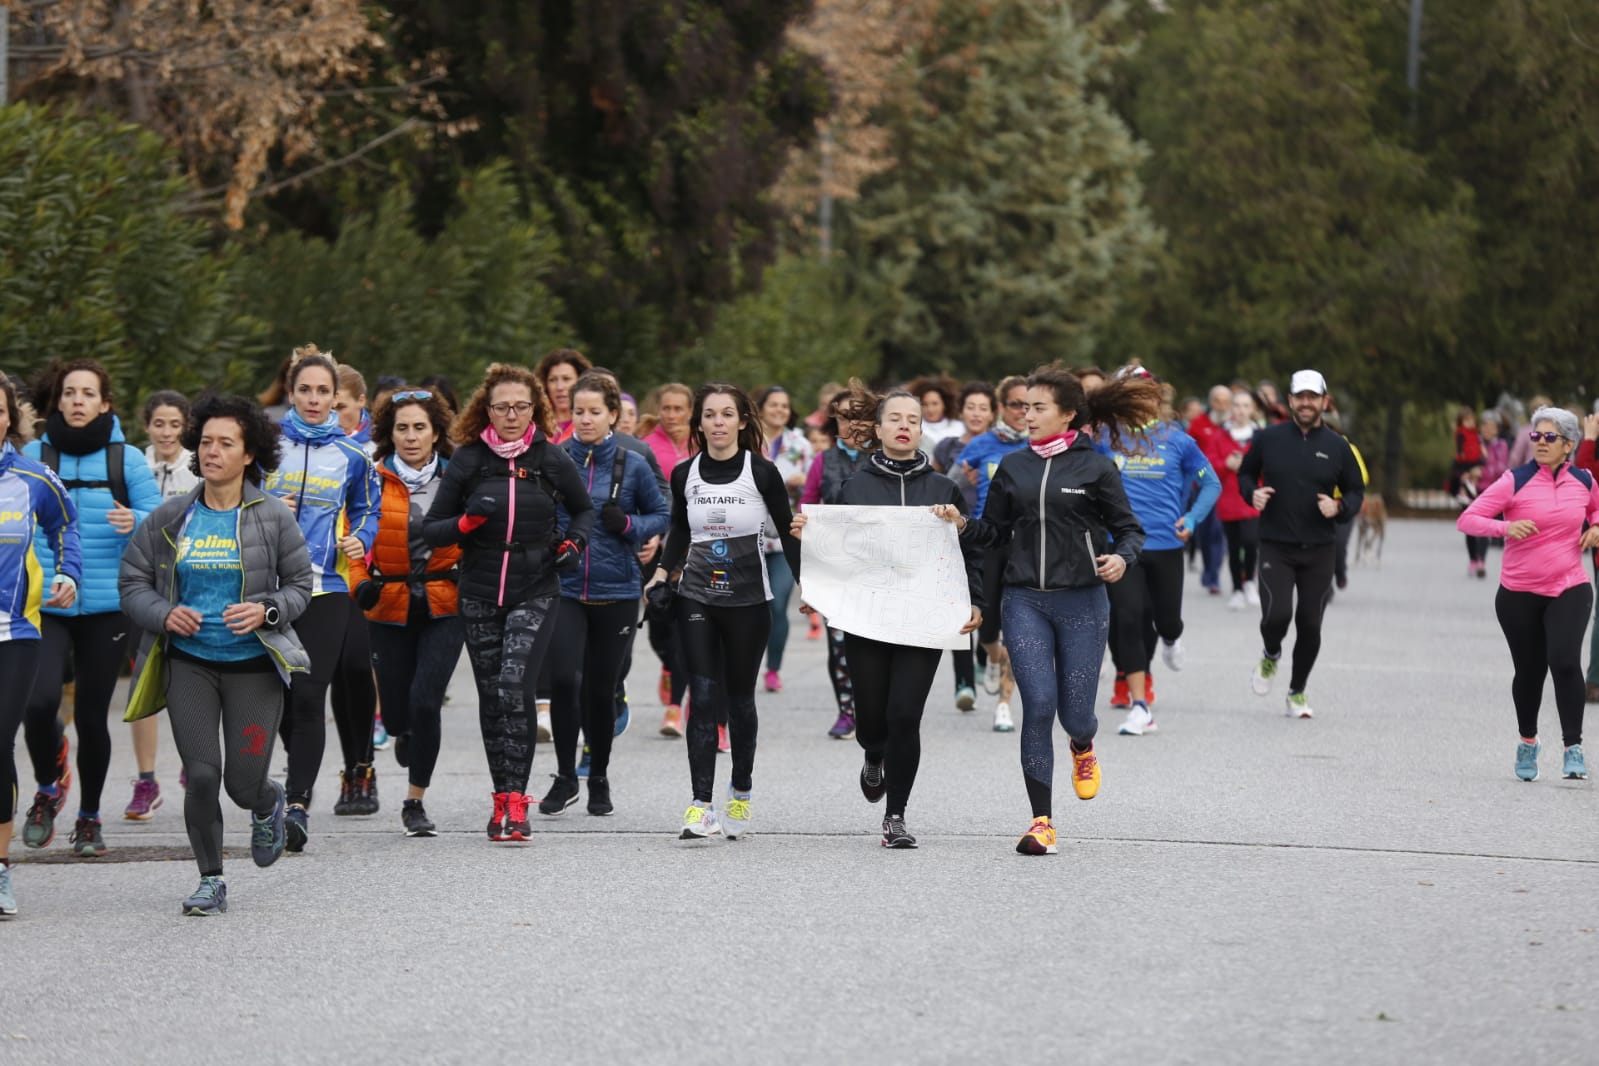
497	819
1139	721
1173	654
723	744
663	688
562	794
1482	569
366	789
600	796
1085	773
895	835
296	828
965	698
585	761
1252	593
380	734
402	750
699	822
992	675
87	840
347	804
815	632
1574	768
672	722
1297	706
516	824
844	728
39	825
146	798
414	817
8	898
1002	718
1039	839
1236	601
773	682
1527	760
545	736
624	715
1149	687
268	835
736	815
1121	697
1265	670
873	785
210	898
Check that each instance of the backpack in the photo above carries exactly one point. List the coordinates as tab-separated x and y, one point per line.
115	479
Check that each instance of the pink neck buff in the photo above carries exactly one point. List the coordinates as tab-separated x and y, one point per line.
507	449
1050	447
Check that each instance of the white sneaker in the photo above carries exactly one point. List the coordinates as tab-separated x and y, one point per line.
991	677
1297	706
1252	593
1260	681
1236	601
736	818
1139	721
545	735
700	822
1002	719
1173	654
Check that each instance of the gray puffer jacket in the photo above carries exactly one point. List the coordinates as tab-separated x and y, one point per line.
276	567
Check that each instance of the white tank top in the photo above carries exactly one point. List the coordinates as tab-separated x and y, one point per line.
726	563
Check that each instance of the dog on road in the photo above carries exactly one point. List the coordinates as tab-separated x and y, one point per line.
1371	529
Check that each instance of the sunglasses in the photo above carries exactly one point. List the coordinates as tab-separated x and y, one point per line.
1547	438
414	394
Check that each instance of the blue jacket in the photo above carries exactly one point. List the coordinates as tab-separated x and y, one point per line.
102	545
1163	464
326	480
983	454
33	502
610	569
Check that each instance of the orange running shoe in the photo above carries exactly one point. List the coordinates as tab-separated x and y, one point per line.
723	745
664	689
1085	773
1038	840
672	722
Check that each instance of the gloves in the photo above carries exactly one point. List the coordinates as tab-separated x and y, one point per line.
367	594
478	510
614	521
567	555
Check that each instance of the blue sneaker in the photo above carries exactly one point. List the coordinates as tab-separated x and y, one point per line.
268	835
210	898
583	763
624	713
1575	769
1527	760
380	734
297	827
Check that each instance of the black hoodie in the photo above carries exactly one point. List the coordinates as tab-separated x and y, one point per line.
879	484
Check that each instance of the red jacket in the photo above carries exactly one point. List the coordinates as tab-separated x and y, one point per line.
1230	507
391	557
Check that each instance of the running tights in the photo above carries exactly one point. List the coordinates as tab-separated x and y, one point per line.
1476	548
326	628
99	646
1146	605
1056	642
1286	569
1545	638
1243	548
667	644
838	670
891	686
722	649
506	646
414	664
586	653
18	661
354	690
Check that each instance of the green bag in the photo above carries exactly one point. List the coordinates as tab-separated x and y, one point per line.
149	695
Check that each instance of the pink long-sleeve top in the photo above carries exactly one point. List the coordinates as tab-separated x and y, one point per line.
1550	561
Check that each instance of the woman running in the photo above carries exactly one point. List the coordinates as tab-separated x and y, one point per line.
499	502
1544	596
790	452
112	490
326	479
354	687
32	500
408	589
557	372
1240	522
1056	504
600	596
892	680
217	575
723	501
977	417
940	409
669	438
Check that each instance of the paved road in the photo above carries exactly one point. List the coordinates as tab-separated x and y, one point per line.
1370	886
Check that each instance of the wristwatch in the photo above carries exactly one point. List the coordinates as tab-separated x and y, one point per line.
273	615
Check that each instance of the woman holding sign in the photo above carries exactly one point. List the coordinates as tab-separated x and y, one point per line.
1054	503
892	680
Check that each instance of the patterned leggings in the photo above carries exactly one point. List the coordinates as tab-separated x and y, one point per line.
506	647
838	670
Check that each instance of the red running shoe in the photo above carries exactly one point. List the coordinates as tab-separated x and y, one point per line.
1120	698
722	744
497	819
516	827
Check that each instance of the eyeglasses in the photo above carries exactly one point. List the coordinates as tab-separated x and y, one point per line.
1547	438
503	409
414	394
1016	405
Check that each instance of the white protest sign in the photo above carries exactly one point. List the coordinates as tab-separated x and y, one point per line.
893	574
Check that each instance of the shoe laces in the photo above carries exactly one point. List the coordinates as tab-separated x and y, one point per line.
1040	827
1085	764
872	773
1268	667
500	805
894	825
738	809
516	807
210	888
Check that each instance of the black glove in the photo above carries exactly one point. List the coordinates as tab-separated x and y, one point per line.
612	518
567	555
482	507
367	594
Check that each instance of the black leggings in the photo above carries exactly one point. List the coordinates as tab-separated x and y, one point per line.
324	628
964	662
591	640
99	646
1476	548
506	646
1284	570
838	670
1545	637
891	686
355	694
722	649
1144	605
1243	546
19	659
668	647
414	664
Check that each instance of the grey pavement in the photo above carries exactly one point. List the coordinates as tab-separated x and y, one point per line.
1370	886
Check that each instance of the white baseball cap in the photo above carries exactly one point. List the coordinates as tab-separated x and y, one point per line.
1307	381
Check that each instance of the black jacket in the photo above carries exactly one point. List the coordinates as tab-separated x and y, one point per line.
876	485
1300	466
543	473
1042	509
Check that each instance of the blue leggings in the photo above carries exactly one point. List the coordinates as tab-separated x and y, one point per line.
1056	642
781	577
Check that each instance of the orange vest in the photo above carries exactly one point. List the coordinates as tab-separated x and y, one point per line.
391	557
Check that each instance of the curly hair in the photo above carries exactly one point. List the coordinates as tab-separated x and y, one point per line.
14	427
570	356
47	386
749	435
1125	400
438	412
856	403
946	387
604	384
474	417
261	437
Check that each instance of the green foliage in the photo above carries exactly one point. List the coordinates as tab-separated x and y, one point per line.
98	260
1014	222
386	299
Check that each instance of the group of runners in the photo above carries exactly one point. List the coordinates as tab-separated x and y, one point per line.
267	555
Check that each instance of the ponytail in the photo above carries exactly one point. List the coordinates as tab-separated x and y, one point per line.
1124	401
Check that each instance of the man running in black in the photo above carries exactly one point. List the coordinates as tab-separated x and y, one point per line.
1303	479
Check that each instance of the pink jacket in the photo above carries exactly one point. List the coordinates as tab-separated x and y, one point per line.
667	453
1550	561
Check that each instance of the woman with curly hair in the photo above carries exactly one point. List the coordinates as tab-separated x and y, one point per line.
557	372
939	396
499	501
